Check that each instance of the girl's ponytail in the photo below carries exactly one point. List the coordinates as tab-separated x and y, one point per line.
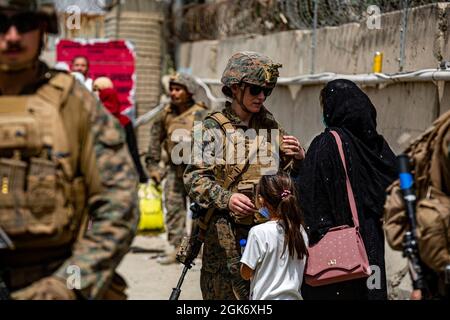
279	191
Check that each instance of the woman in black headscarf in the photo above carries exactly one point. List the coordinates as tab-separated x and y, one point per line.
371	169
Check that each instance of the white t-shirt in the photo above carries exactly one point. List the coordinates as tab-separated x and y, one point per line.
276	276
88	83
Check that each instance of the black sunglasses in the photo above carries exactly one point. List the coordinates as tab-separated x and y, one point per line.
256	90
24	22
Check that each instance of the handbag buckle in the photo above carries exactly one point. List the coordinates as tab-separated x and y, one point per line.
332	262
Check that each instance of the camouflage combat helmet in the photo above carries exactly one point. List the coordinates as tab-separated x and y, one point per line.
184	80
250	67
46	11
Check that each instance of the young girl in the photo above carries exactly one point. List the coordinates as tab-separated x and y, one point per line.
275	254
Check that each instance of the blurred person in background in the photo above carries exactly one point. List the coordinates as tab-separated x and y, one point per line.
81	64
104	87
179	114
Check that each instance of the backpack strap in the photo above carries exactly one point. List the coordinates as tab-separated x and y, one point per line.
223	121
236	170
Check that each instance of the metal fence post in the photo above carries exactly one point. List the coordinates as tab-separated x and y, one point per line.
314	38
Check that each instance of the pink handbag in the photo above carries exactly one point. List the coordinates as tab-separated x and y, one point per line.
340	255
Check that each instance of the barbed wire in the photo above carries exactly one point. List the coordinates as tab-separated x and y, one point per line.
228	18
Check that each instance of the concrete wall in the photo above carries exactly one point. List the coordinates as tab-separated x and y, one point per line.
347	49
143	29
404	109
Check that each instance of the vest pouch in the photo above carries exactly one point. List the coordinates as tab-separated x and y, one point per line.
41	186
433	225
19	133
12	196
248	188
46	198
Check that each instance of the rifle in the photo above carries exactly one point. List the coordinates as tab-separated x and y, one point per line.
410	246
190	246
5	243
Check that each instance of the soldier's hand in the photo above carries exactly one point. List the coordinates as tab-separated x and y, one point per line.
416	295
156	176
240	204
291	147
50	288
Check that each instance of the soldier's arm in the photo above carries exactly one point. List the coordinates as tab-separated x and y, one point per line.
111	182
200	178
157	136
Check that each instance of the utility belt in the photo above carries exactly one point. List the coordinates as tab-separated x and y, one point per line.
21	268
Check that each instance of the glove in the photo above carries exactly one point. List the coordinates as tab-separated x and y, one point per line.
50	288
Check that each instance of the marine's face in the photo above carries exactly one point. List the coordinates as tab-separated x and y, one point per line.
178	94
80	65
252	99
19	39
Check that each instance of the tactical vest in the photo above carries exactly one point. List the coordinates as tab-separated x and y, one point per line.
40	201
246	174
184	121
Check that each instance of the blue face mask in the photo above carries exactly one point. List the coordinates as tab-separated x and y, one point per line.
265	212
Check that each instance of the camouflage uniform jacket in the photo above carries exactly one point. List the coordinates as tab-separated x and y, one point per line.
110	182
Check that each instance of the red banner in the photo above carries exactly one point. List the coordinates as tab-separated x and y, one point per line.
114	59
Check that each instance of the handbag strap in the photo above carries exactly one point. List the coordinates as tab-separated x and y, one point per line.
351	196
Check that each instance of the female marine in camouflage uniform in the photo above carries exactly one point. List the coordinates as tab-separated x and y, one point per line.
248	79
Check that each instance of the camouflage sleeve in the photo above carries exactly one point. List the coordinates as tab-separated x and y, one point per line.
112	207
200	178
157	136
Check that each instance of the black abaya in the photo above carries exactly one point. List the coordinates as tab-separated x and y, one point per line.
322	186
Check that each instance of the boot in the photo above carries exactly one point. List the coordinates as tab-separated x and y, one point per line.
169	258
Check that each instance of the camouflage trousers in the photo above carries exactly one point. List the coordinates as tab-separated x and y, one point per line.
223	286
220	277
175	204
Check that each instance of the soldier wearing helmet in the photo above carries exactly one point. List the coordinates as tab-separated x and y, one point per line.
64	162
178	116
229	186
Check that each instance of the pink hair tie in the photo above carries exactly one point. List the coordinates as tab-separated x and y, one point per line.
285	193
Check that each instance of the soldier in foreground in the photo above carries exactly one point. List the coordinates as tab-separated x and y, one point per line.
63	160
228	188
177	117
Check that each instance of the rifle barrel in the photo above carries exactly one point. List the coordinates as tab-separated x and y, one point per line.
177	290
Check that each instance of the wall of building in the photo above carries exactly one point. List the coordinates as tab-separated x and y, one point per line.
140	23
